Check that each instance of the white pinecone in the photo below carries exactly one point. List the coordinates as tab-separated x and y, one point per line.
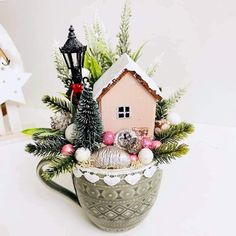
60	120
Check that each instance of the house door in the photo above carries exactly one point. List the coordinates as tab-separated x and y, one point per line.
141	131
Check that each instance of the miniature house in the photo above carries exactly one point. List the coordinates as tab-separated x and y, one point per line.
127	98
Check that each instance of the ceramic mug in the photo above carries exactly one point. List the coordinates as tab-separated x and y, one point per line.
114	200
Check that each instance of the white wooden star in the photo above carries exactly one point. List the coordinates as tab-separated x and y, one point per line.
11	83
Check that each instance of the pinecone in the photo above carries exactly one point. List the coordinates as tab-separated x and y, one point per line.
60	120
161	125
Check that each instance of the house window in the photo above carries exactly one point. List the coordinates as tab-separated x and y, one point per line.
123	112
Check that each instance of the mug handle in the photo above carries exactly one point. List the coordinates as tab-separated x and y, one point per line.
41	168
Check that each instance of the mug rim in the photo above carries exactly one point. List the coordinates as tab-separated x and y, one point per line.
124	171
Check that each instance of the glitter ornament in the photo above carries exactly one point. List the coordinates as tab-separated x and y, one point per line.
155	144
124	138
146	142
134	157
174	118
60	120
145	156
82	154
108	138
69	133
134	146
67	150
111	157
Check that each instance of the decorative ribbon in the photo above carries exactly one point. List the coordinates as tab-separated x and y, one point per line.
112	179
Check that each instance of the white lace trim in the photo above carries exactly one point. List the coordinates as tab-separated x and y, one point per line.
113	177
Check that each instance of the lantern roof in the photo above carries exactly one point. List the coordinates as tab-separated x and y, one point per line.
72	44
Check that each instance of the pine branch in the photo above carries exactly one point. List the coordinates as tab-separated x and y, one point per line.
161	110
174	98
59	166
62	69
57	104
163	106
175	133
56	137
169	151
137	54
152	69
123	35
47	150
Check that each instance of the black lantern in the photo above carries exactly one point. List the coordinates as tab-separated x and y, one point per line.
73	52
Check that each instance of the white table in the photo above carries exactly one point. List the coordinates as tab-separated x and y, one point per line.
197	195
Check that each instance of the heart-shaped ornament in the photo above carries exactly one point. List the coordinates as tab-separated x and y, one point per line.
111	181
78	173
132	179
91	178
150	171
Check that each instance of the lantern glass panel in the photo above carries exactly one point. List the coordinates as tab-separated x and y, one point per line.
75	59
66	57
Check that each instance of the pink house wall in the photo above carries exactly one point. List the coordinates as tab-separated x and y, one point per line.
128	92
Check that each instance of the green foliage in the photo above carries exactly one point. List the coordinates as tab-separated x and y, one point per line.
63	73
57	104
123	35
175	97
98	46
169	151
175	133
161	110
93	66
165	105
32	131
137	53
46	150
88	131
152	69
100	56
59	166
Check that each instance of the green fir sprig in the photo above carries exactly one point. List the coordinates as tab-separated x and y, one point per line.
47	150
170	151
165	105
59	166
175	133
57	104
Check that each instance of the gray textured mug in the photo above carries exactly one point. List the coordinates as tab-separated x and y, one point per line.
114	200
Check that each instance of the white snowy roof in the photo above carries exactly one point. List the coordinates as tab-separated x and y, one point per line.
124	62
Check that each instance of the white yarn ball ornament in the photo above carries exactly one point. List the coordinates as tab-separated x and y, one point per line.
82	154
174	118
145	156
69	133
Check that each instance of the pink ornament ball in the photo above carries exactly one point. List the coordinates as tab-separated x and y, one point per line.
67	150
155	144
108	138
133	157
146	142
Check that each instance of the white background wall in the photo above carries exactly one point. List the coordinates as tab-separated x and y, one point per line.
198	39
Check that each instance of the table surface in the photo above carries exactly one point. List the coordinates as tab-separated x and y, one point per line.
196	198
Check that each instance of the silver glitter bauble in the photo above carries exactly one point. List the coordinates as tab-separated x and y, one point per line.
134	146
60	120
111	157
124	138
